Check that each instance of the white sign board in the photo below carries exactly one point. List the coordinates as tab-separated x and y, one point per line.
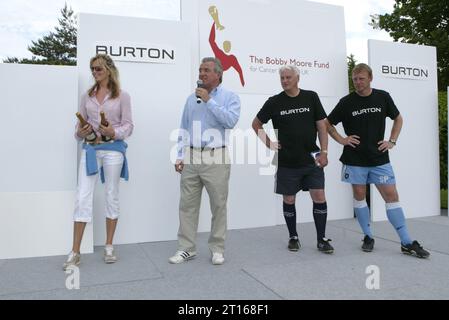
149	200
254	39
264	35
408	72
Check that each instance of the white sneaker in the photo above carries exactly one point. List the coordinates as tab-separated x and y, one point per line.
217	258
73	259
181	256
109	255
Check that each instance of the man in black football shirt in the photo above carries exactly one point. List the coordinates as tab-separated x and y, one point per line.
365	154
297	115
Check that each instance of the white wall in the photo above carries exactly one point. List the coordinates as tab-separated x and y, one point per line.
415	158
149	201
38	181
259	28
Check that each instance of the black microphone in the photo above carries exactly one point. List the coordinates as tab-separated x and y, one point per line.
199	84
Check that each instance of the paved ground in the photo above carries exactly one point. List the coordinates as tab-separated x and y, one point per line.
258	267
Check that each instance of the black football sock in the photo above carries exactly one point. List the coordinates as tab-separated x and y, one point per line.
320	217
290	218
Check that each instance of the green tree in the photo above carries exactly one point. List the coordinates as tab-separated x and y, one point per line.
58	47
421	22
351	64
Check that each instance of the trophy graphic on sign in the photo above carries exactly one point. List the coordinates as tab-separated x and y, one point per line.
213	11
227	60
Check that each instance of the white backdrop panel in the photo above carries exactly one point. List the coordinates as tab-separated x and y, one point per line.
39	177
267	35
252	202
38	103
415	159
149	201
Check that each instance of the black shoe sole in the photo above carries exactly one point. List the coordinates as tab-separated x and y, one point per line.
367	250
414	254
327	251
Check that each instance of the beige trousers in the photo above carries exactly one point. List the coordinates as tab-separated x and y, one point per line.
211	169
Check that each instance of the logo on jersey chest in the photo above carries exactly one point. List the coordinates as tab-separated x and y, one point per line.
366	111
294	111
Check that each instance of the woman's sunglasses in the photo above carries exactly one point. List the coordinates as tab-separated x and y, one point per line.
96	69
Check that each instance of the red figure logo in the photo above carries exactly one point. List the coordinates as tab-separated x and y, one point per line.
227	60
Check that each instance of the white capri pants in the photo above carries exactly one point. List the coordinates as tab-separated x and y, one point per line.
112	162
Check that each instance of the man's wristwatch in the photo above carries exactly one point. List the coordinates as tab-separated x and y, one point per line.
392	141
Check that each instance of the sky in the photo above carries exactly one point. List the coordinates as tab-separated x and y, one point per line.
22	21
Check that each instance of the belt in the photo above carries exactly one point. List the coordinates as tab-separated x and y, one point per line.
98	143
206	148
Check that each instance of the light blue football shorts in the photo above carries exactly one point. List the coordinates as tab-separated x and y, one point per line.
366	175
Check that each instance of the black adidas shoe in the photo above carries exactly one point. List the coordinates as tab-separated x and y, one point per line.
293	244
323	245
415	249
368	244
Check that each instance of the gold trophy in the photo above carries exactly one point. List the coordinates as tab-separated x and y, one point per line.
213	11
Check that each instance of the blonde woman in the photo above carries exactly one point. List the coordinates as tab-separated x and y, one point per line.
103	156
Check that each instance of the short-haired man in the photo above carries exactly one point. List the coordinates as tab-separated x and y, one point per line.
297	115
203	160
365	154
